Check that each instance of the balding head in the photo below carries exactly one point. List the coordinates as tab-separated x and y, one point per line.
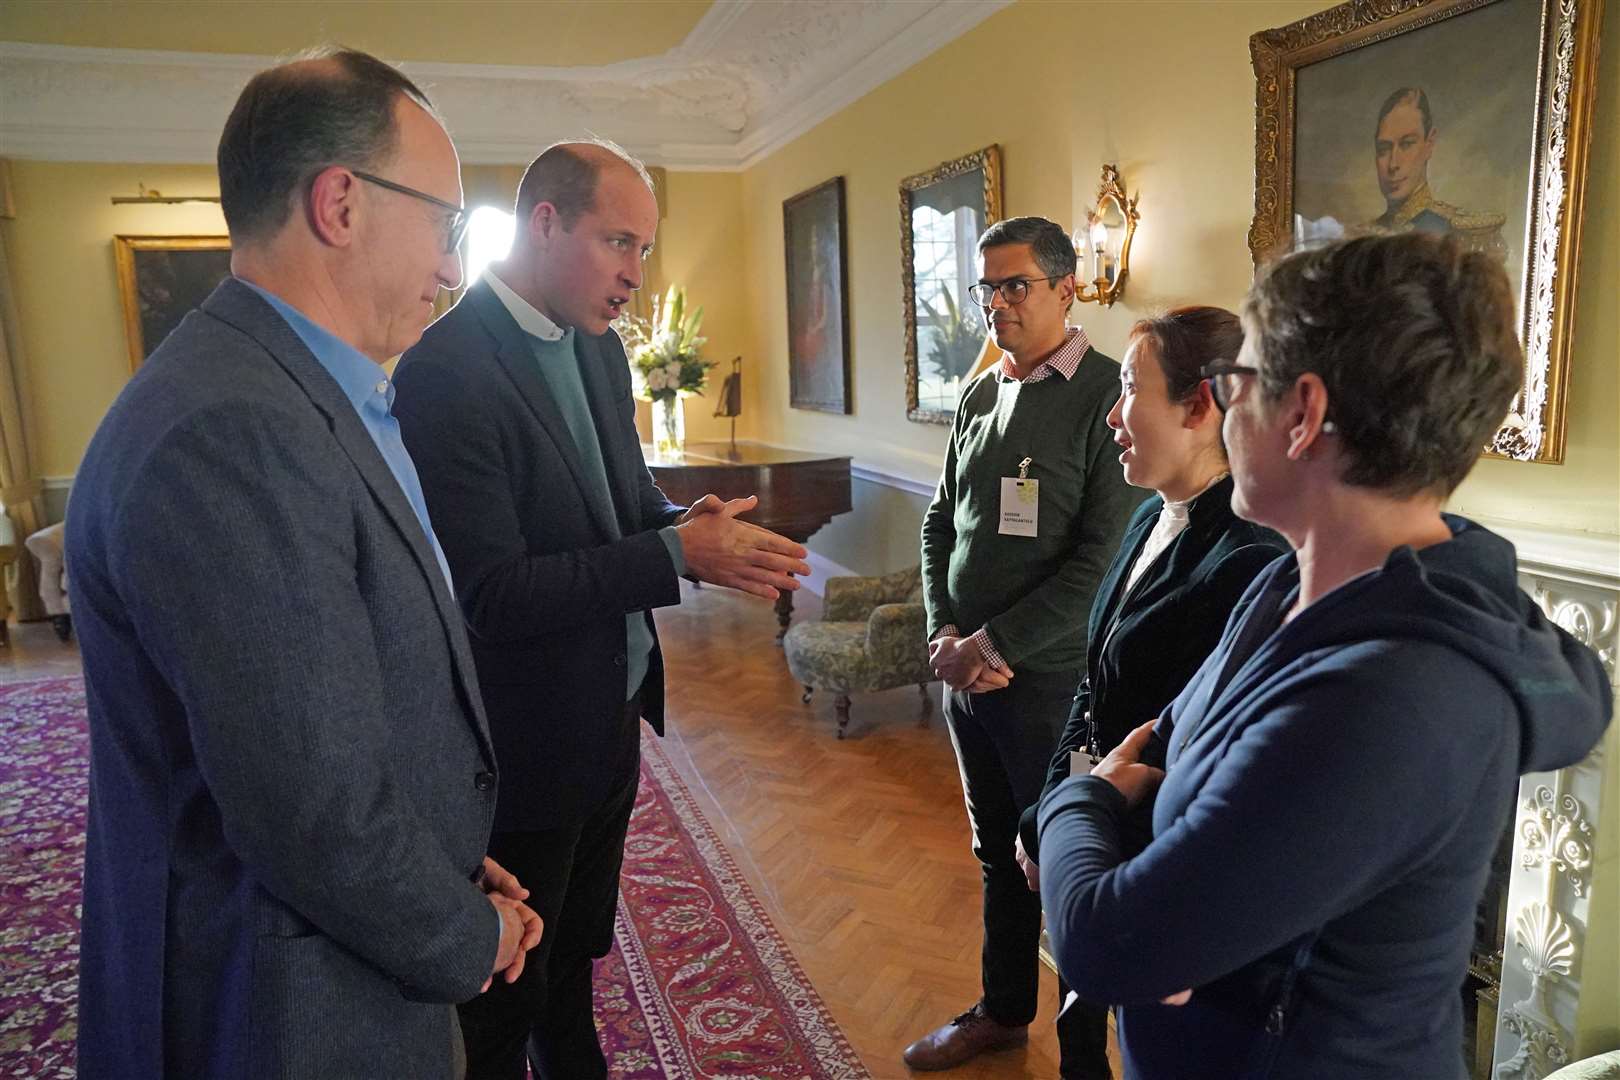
332	107
566	175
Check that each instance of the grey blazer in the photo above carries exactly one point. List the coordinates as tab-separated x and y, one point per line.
291	779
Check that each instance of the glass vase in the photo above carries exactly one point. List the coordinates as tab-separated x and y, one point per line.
669	426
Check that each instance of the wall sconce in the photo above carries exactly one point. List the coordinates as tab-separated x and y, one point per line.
1103	246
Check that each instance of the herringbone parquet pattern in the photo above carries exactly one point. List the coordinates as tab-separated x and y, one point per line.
859	848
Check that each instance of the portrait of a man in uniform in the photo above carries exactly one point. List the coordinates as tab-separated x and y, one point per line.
1404	140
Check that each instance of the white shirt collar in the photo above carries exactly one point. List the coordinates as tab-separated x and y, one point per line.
529	318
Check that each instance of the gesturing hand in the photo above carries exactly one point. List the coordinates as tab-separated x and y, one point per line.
709	504
721	550
1124	769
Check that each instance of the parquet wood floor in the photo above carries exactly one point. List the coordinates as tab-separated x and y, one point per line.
859	849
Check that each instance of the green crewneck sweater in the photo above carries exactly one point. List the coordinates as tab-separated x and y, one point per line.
1031	593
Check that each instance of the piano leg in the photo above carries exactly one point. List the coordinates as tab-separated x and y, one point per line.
784	613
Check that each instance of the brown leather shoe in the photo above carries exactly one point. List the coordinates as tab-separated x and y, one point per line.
963	1039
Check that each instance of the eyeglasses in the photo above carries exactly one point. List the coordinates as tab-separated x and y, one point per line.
458	215
1013	290
1222	379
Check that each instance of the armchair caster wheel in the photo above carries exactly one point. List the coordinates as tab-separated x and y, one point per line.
63	625
805	697
841	707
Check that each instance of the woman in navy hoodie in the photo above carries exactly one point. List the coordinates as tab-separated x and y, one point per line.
1339	771
1163	602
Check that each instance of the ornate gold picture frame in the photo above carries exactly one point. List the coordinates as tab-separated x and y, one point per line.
942	213
1496	92
160	279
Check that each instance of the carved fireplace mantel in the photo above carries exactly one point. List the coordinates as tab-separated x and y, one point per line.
1556	1003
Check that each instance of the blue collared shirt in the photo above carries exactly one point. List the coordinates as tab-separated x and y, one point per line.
371	393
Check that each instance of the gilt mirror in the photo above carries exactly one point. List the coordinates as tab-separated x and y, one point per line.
942	213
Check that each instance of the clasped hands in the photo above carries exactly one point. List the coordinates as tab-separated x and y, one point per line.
721	550
958	661
520	926
1122	768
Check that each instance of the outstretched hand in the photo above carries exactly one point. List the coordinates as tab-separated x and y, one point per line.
721	550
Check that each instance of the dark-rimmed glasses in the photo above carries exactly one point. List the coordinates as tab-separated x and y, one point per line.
458	219
1013	290
1222	378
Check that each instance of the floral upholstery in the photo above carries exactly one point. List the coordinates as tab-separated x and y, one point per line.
873	635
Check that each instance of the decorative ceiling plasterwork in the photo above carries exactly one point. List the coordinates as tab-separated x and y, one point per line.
750	77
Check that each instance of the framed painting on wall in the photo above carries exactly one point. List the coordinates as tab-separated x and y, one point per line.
160	279
1466	117
817	298
942	213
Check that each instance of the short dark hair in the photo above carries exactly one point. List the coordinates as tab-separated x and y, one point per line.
1414	338
1187	338
291	122
566	177
1406	95
1053	250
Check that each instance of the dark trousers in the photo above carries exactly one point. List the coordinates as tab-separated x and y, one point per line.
545	1019
1004	740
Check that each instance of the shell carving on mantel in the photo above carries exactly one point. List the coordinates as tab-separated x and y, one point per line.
1589	621
1556	837
1549	947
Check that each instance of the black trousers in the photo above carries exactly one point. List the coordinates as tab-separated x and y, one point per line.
545	1019
1004	740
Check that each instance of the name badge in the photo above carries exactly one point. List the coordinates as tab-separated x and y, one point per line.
1020	506
1080	764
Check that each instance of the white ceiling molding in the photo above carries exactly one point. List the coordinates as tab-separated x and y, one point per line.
750	77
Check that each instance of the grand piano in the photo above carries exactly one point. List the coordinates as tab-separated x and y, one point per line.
798	492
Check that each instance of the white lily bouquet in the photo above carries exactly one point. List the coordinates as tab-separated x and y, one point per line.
666	363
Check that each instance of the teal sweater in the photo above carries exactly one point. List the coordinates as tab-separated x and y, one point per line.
1033	593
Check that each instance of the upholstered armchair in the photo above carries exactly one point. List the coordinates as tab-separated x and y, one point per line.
873	635
46	546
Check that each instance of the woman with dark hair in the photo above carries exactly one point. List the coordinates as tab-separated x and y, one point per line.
1340	769
1185	560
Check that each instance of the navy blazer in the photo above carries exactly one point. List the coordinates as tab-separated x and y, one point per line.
544	571
291	782
1146	641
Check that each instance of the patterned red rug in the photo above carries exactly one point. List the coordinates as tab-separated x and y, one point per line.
699	983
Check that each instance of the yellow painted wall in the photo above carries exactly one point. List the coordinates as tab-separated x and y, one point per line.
1170	97
61	251
700	246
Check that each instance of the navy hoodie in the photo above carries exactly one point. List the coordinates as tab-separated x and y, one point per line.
1334	791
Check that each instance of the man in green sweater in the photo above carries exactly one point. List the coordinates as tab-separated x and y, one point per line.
1031	506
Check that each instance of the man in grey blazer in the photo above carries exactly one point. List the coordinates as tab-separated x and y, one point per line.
292	781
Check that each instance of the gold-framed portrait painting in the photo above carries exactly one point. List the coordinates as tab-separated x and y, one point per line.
1465	117
160	279
817	298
